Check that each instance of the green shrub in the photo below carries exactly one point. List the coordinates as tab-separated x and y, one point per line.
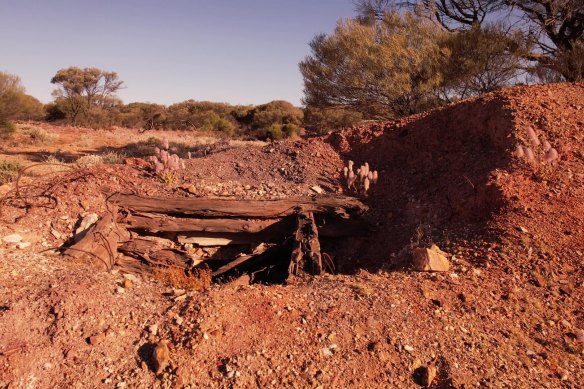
290	130
9	170
275	132
7	129
38	135
226	127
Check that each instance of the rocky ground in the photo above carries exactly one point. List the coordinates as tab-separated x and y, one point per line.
508	313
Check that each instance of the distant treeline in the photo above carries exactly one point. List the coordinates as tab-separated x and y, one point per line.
393	59
87	97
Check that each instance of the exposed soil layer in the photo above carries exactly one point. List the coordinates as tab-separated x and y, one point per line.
507	314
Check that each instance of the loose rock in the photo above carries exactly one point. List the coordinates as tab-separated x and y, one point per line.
430	259
12	238
160	356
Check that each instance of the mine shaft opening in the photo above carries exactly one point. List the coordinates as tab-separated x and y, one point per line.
269	241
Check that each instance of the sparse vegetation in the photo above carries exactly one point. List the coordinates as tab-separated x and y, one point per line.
8	170
362	180
39	135
194	279
165	164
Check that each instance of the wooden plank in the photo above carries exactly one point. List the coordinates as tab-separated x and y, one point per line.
260	254
152	222
232	265
306	256
154	253
205	207
206	241
227	238
159	222
99	246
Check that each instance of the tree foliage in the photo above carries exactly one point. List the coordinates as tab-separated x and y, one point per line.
14	103
382	70
82	90
482	59
555	27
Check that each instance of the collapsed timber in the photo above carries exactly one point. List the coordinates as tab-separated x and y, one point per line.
271	241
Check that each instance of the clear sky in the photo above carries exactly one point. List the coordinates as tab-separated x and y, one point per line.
235	51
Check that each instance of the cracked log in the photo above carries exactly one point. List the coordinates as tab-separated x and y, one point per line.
306	256
342	206
159	222
99	246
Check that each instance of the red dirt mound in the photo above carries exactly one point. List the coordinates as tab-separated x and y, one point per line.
454	170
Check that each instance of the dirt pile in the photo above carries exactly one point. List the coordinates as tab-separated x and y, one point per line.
451	174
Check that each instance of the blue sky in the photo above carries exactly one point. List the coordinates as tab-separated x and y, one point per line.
235	51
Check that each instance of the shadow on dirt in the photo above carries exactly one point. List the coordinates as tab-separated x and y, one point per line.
436	172
145	354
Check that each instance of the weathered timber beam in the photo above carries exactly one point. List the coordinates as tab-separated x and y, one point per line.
306	256
99	246
155	222
244	262
153	253
163	223
205	207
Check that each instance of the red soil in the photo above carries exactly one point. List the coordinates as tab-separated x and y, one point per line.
508	314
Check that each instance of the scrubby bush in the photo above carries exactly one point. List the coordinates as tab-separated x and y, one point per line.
275	132
15	104
7	129
89	160
39	135
321	120
382	69
9	170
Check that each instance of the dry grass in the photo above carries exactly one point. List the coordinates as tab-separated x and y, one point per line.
197	279
40	135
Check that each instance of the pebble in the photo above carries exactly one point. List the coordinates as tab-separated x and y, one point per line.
408	348
329	351
317	189
23	245
120	290
153	329
12	238
97	339
429	375
56	234
131	277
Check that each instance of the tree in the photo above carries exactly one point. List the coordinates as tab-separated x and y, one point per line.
83	89
10	83
556	27
14	103
482	59
384	70
320	120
